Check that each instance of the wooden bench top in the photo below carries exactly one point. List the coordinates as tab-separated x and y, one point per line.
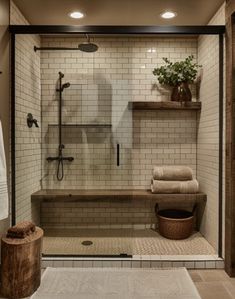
72	195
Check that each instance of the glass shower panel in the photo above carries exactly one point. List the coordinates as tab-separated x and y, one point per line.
87	133
94	126
96	132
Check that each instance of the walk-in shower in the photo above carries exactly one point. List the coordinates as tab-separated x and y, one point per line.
60	158
105	99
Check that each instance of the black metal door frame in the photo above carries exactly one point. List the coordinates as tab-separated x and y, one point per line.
124	30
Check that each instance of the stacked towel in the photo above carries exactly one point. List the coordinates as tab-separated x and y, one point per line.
174	186
3	180
172	173
173	179
21	230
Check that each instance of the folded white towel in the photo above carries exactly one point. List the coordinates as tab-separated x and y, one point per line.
172	173
172	187
3	180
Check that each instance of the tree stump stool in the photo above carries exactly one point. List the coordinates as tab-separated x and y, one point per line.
21	264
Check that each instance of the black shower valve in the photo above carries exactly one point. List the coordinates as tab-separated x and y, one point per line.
31	121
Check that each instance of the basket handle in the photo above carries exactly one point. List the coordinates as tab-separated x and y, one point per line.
193	210
156	208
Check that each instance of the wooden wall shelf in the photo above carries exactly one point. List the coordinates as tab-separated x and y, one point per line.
143	105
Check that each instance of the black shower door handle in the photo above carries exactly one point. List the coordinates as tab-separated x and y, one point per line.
118	154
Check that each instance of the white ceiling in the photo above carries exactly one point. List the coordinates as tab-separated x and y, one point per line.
118	12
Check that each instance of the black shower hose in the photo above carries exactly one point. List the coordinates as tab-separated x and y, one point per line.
60	169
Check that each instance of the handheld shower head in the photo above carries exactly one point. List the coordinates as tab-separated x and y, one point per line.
65	85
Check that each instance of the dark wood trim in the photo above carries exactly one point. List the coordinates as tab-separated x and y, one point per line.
59	29
230	142
13	179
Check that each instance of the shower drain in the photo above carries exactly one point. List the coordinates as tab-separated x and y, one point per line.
87	243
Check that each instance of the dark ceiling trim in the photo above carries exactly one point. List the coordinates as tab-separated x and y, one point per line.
61	29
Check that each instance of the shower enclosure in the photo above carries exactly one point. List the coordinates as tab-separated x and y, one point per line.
103	125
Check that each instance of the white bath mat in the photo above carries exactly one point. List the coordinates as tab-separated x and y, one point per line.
113	283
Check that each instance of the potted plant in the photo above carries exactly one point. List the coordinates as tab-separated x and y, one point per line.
178	75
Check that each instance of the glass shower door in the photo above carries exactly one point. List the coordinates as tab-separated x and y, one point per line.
94	219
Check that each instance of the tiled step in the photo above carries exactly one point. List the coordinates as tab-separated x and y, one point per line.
190	262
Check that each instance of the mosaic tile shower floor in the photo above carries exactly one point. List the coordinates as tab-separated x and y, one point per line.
121	241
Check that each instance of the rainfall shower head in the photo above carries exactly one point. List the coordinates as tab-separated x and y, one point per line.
88	46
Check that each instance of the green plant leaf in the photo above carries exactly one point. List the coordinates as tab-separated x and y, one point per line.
175	73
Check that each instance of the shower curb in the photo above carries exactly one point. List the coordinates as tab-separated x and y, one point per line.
190	262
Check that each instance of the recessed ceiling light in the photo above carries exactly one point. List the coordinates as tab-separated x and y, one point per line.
76	15
168	14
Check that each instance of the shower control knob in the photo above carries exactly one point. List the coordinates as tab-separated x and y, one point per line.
31	121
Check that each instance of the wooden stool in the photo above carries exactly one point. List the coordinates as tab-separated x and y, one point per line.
21	265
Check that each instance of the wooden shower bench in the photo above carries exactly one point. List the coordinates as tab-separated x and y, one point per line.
135	197
71	195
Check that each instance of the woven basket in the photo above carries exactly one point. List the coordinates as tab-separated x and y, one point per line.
175	224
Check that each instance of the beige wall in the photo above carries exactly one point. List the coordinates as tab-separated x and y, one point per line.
16	17
208	129
4	85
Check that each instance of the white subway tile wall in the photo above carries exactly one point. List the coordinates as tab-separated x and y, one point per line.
102	214
108	213
28	141
101	86
208	129
102	83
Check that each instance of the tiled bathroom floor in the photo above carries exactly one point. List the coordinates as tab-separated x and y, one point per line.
117	241
213	284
